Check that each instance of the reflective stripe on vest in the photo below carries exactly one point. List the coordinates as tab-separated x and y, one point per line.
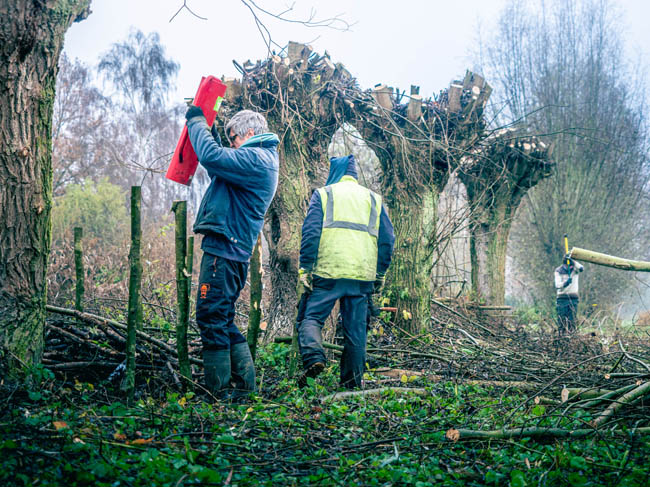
348	243
329	222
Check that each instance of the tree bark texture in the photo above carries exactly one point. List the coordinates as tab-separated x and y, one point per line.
497	175
182	296
31	38
134	311
190	265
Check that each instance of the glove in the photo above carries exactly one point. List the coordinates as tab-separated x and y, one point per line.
568	281
193	111
215	134
305	279
379	284
373	309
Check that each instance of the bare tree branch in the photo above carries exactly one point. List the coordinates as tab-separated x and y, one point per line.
184	6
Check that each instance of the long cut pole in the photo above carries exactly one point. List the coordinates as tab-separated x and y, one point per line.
134	314
255	313
566	247
189	265
79	269
180	210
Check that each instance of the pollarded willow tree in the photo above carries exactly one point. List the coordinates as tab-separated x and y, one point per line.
31	36
301	99
419	143
596	107
306	98
497	175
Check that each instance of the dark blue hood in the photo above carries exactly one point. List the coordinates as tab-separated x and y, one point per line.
341	166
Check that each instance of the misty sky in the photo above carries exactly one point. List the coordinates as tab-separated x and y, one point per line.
420	42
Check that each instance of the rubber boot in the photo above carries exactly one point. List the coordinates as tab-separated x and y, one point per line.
243	371
216	364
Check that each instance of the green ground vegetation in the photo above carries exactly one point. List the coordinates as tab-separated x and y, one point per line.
60	431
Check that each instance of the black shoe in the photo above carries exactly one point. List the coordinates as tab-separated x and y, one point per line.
312	371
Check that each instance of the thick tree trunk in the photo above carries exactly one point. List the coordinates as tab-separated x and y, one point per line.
488	245
502	169
418	146
410	271
31	36
283	233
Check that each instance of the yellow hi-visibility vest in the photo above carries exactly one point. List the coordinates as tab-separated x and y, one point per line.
348	242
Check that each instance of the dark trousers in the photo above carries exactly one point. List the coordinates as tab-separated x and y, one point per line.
567	309
220	282
314	310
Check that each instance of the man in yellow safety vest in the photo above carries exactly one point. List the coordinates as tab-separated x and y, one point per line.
346	248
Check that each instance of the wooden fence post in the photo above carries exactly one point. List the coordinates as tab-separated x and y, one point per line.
79	269
182	295
134	318
255	313
189	265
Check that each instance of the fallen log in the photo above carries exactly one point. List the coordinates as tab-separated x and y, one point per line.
93	363
609	396
578	393
534	432
399	373
624	400
609	260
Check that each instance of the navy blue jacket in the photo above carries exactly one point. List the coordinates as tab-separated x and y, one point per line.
242	184
313	224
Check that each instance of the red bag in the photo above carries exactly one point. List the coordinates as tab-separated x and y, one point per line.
184	162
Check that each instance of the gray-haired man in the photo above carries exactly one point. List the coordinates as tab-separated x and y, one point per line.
243	180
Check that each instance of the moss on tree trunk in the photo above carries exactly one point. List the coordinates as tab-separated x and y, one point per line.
32	36
410	272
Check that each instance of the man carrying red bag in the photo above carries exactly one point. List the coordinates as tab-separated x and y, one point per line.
243	181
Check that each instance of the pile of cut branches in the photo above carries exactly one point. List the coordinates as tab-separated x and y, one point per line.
610	383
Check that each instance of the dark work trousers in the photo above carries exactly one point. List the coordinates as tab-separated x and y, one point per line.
567	308
220	282
353	296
